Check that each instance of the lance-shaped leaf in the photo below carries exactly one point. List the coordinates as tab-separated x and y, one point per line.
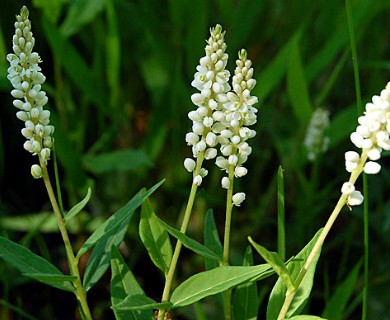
112	223
78	207
123	285
276	262
155	238
29	263
211	240
215	281
294	268
190	243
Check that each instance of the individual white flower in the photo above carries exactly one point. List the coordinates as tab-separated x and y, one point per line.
225	182
26	78
355	198
372	167
316	141
189	164
238	198
197	180
347	188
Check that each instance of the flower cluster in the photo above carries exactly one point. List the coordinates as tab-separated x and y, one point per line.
238	114
372	136
26	78
211	79
316	142
222	116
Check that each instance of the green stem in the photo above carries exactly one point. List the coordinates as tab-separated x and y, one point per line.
226	241
72	261
355	61
320	241
228	218
179	244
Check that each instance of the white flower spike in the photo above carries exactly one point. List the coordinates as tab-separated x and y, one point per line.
372	135
212	82
26	78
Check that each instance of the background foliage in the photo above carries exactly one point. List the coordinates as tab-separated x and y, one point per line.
118	77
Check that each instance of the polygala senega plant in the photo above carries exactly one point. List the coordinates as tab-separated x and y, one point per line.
220	132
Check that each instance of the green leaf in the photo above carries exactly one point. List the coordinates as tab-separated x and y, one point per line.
29	263
122	160
337	304
245	298
211	240
141	302
306	317
49	278
276	263
80	13
190	243
117	219
99	260
215	281
297	86
155	238
294	267
78	207
123	285
281	216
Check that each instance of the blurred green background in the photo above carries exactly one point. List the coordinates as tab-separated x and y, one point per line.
119	78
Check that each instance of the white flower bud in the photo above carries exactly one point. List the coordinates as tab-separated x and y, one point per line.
347	188
22	115
45	154
210	153
232	160
221	162
238	198
192	138
356	139
240	171
227	150
27	133
208	122
19	94
189	164
374	154
211	139
18	103
355	198
350	166
36	171
225	182
197	180
352	156
235	140
372	167
198	128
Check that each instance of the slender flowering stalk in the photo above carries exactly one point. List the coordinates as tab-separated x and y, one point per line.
316	141
372	135
26	78
236	116
211	80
